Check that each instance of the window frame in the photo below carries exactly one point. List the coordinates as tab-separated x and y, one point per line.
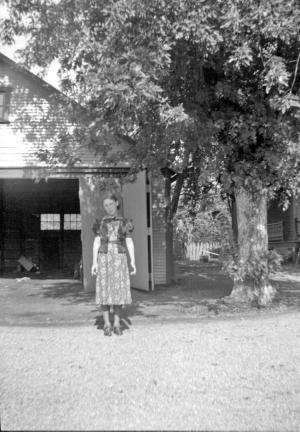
65	224
76	219
6	91
49	220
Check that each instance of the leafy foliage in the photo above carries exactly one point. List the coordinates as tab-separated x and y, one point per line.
198	86
207	219
221	78
255	270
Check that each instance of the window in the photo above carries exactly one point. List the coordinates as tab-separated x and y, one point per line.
4	104
50	221
72	221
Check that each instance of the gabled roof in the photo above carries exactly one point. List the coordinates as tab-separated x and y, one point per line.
23	70
33	127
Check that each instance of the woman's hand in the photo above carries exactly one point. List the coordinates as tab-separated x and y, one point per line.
94	270
133	271
130	248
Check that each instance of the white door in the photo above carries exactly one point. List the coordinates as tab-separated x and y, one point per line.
137	206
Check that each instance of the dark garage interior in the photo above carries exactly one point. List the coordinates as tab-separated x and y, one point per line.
40	223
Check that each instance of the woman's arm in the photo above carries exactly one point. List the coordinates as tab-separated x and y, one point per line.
96	246
130	247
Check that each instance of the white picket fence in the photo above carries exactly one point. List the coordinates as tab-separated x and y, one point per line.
196	250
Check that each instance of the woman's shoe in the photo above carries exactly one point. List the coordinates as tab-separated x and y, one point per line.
118	331
107	331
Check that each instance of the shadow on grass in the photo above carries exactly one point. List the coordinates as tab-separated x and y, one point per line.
199	291
188	289
72	292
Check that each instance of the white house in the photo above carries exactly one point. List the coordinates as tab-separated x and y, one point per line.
50	220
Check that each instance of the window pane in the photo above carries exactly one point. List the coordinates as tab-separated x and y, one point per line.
50	221
3	106
72	221
66	225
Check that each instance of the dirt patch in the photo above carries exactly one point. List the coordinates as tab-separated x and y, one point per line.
286	282
201	291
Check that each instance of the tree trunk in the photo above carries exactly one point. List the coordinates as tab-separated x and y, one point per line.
170	273
234	220
252	282
169	232
172	200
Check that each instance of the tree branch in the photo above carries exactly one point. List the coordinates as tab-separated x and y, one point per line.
296	72
176	194
127	139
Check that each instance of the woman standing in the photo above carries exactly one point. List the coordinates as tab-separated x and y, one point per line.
112	237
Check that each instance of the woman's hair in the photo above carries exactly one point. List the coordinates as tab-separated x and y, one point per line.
113	197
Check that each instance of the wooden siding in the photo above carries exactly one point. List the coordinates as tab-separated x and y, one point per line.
159	231
38	114
275	231
159	255
297	207
277	214
32	120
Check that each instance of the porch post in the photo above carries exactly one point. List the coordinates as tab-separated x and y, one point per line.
90	209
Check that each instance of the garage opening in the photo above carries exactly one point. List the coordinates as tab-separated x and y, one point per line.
40	225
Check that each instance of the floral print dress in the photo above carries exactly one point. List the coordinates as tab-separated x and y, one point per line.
113	281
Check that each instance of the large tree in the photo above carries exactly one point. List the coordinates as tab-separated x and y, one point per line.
192	85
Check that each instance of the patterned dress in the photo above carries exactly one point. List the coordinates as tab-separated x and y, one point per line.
113	282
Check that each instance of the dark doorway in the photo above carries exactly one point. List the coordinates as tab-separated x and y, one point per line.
50	257
40	221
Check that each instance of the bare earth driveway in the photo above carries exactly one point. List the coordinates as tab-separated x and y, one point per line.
186	360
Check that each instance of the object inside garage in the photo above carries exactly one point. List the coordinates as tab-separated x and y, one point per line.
40	225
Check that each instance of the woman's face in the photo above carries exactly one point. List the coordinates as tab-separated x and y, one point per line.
110	206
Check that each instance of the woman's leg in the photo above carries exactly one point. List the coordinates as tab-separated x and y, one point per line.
105	310
117	313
